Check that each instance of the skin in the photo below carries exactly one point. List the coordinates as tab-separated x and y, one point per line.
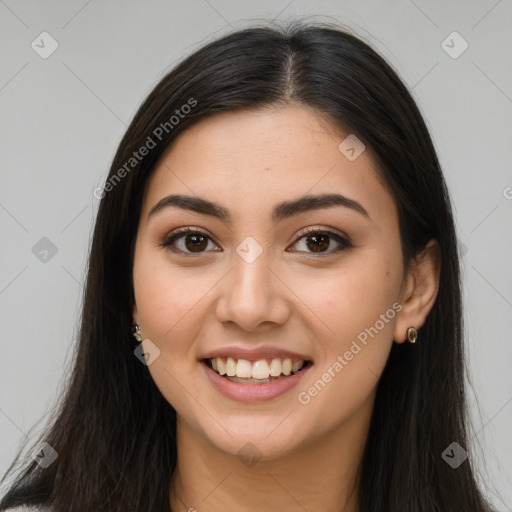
289	297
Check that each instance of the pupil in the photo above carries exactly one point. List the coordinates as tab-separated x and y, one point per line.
198	242
319	244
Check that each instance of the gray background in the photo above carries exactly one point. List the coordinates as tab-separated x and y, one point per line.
62	118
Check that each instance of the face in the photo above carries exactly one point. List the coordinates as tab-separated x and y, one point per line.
259	280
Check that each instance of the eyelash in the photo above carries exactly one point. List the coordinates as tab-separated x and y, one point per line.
181	232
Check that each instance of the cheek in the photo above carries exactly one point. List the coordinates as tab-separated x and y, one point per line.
171	316
168	297
353	298
358	304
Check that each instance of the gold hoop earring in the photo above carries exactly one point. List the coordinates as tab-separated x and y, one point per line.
136	332
412	334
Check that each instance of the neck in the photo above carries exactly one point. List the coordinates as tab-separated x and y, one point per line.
321	476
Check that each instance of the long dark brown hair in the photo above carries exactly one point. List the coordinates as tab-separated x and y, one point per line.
114	432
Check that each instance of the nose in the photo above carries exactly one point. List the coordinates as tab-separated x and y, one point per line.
253	295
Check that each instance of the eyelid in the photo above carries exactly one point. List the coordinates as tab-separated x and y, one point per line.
323	229
186	229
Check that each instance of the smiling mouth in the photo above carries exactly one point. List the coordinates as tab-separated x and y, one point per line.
263	371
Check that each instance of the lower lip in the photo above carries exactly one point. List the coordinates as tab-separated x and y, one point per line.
253	392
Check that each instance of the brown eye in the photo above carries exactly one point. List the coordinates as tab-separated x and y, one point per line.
191	241
187	241
195	243
318	241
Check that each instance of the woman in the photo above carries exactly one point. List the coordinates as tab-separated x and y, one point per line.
272	317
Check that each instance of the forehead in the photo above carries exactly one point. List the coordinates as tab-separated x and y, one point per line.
254	159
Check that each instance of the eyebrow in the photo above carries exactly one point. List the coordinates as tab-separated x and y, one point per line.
281	211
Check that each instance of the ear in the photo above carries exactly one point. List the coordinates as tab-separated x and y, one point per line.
419	290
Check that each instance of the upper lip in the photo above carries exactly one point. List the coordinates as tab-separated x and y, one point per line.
255	354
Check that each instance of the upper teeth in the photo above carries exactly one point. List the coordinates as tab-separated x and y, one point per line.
258	370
